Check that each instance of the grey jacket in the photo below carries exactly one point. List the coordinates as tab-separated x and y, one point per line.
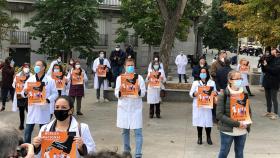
226	124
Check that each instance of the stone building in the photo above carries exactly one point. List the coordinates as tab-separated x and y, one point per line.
20	45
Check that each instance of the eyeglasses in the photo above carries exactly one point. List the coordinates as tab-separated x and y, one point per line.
236	79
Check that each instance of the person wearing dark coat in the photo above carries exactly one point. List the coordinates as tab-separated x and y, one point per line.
221	76
271	81
8	73
117	59
196	69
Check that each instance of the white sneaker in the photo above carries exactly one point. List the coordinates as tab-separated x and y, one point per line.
98	101
106	100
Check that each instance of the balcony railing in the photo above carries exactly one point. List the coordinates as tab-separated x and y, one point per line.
111	2
19	38
103	40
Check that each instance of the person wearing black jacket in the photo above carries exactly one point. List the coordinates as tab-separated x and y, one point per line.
196	69
8	72
271	69
117	59
221	76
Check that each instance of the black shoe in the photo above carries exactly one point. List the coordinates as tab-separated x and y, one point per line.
151	116
21	127
158	116
209	141
251	95
79	113
199	141
3	108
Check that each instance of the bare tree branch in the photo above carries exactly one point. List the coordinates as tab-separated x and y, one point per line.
163	9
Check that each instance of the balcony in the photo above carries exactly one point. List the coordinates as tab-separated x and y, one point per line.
19	38
103	40
110	5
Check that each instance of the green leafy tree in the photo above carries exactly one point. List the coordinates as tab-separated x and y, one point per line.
215	34
6	22
158	22
65	25
258	19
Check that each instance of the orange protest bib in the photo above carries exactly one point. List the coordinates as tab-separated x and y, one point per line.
36	93
59	80
101	70
244	69
129	85
239	108
205	98
155	79
76	78
58	144
20	83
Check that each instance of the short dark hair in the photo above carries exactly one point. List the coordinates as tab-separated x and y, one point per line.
207	73
68	99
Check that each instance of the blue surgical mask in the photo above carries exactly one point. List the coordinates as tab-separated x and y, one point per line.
237	83
130	69
37	69
203	75
156	67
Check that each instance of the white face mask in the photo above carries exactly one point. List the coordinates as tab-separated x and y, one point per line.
223	59
56	70
156	59
117	49
59	60
101	55
26	70
71	62
78	66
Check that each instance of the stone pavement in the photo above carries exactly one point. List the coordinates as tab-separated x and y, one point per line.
172	136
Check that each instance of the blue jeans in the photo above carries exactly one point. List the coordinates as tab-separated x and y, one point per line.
226	141
138	141
28	132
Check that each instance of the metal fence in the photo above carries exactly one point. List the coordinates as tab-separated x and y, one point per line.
111	2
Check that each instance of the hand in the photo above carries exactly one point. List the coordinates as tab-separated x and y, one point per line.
30	150
37	141
115	58
79	141
264	62
242	125
120	94
195	94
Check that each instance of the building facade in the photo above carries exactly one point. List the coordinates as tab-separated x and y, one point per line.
20	45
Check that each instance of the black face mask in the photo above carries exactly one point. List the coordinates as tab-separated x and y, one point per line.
61	115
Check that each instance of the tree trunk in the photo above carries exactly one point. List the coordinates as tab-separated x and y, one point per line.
167	43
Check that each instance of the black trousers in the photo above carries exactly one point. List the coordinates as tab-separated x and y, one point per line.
185	78
271	98
22	106
207	129
155	109
4	93
79	102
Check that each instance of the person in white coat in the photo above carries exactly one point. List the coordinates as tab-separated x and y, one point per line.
19	103
181	62
65	122
101	81
244	74
57	61
38	113
77	91
153	93
202	117
156	59
129	113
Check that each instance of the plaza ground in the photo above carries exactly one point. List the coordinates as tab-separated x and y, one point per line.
172	136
